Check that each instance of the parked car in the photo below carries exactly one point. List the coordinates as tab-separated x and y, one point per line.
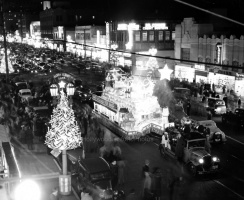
92	173
215	134
235	118
25	94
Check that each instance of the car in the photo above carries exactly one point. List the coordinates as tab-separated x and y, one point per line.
235	118
93	173
195	156
216	106
215	134
25	94
21	85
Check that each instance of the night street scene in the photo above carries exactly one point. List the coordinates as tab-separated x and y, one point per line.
122	100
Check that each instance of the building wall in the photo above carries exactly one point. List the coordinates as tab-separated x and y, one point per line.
203	45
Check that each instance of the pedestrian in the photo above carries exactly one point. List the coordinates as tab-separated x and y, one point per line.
209	114
54	195
225	99
132	195
172	186
114	172
29	137
164	143
121	171
145	168
156	183
147	186
239	102
188	107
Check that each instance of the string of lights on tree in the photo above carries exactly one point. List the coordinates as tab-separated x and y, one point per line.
3	65
64	133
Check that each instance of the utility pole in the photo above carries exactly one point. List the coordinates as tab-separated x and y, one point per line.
4	41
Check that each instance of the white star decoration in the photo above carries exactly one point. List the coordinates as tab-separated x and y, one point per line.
165	72
61	84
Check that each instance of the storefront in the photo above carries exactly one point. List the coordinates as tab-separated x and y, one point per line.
201	76
184	72
222	79
239	84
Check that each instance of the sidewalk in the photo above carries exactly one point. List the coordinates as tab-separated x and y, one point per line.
38	162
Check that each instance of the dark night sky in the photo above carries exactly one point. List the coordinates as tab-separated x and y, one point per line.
154	9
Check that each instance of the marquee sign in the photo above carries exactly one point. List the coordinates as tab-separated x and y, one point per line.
63	76
155	26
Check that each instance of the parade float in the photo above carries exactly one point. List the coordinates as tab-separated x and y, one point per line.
128	108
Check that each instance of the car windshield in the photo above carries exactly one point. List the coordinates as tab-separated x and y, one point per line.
25	93
22	86
196	143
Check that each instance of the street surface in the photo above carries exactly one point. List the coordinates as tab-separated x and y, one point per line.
228	184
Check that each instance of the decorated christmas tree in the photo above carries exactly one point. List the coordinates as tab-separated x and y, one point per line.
64	133
3	66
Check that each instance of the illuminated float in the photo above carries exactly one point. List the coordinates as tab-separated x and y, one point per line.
128	108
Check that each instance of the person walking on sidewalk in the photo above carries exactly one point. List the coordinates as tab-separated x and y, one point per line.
239	102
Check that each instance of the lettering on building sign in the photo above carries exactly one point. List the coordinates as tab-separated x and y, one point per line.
111	105
155	26
125	27
62	76
200	67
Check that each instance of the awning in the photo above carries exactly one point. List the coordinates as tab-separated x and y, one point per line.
201	73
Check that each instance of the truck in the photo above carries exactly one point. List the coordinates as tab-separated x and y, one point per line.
195	155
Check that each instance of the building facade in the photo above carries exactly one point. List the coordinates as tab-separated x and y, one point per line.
196	42
93	42
140	37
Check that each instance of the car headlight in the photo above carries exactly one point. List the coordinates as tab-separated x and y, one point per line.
201	161
115	192
215	159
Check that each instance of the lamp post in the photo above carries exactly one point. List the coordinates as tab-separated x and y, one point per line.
64	133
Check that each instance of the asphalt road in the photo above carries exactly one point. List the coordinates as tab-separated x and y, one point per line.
229	184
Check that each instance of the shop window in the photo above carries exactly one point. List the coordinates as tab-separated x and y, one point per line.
151	35
236	64
167	35
173	35
160	35
185	53
137	36
144	36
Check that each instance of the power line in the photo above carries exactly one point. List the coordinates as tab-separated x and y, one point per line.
209	12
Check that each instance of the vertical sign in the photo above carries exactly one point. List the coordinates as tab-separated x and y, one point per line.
107	34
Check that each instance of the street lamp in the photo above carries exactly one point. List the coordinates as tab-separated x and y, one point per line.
64	133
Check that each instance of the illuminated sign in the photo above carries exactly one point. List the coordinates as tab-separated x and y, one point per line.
199	67
155	26
219	48
107	34
125	27
108	104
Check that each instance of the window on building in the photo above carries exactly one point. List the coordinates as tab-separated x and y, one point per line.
61	18
144	36
151	35
185	53
167	35
160	35
137	36
57	18
236	64
173	35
